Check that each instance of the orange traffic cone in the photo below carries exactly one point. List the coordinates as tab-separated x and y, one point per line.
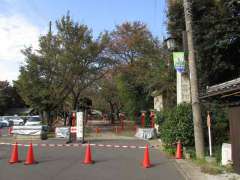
30	156
14	156
146	159
88	155
179	150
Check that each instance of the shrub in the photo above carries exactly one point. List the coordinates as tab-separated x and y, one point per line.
177	125
159	117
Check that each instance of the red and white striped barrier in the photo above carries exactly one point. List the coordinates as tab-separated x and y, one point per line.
80	145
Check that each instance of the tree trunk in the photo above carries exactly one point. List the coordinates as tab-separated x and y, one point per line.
197	119
46	117
65	118
75	100
117	112
112	112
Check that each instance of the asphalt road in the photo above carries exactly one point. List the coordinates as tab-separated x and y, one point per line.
65	163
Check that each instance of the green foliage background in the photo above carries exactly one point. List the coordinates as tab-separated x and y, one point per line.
177	124
216	27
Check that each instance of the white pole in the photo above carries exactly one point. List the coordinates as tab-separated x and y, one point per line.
210	141
209	133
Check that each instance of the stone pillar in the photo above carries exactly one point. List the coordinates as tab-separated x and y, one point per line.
158	102
183	88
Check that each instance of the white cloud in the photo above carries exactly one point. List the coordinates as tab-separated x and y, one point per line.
9	70
15	34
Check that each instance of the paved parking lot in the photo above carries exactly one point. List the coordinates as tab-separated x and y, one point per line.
61	163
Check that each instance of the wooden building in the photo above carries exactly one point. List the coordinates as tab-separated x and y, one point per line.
228	93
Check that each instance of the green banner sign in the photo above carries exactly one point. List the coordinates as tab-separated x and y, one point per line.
179	61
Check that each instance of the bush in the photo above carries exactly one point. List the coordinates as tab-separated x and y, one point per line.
159	117
177	125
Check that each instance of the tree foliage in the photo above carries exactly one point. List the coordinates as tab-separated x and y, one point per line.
142	64
120	68
5	98
65	64
9	98
216	26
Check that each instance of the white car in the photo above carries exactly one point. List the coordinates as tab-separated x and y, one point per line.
4	122
33	121
17	121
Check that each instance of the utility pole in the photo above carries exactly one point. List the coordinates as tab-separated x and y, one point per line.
197	120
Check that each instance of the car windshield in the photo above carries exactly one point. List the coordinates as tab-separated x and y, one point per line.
34	119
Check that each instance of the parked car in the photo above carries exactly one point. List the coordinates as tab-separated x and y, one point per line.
2	124
17	120
34	120
6	121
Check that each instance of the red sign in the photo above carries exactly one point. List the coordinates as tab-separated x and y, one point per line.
73	129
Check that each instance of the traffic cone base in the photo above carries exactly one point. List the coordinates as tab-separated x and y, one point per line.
146	166
88	163
14	155
146	158
12	162
26	163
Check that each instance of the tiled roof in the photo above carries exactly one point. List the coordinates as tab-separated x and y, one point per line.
224	87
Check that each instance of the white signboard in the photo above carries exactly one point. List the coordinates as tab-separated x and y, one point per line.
80	125
145	133
226	154
27	130
62	132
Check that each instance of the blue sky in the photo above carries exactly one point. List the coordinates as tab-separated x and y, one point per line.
22	21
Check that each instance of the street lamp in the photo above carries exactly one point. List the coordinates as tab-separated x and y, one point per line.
171	43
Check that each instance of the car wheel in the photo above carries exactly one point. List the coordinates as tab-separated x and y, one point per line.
21	124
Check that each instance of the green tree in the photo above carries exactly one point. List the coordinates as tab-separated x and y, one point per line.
65	64
107	91
216	26
143	65
9	98
5	98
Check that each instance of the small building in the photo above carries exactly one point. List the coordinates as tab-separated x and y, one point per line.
228	93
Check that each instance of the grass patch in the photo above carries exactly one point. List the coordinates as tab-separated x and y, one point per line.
229	168
211	169
169	150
